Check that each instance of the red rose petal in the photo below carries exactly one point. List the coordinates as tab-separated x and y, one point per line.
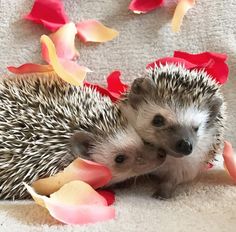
108	195
115	86
200	57
49	13
114	83
30	68
144	6
103	91
172	60
213	63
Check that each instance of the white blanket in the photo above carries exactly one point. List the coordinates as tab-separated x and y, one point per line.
207	205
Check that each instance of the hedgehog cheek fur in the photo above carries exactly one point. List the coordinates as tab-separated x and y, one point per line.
182	112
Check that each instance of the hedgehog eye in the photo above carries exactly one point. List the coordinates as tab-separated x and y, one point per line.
120	158
195	128
147	143
158	121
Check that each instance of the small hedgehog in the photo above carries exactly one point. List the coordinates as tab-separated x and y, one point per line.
45	123
182	112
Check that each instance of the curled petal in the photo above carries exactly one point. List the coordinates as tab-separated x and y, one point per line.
94	31
114	83
114	89
68	70
30	68
103	91
92	173
49	13
108	195
213	63
144	6
75	203
229	160
78	192
181	9
64	42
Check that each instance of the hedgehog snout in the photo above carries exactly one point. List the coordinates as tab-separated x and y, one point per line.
184	147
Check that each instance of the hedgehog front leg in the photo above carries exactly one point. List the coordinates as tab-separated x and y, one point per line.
164	190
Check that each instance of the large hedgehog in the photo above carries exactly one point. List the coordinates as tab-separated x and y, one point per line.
45	123
182	112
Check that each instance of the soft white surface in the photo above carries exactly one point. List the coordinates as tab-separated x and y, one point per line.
208	205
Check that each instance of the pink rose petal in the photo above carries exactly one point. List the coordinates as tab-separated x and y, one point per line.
68	70
30	68
49	13
181	9
92	173
75	203
144	6
229	160
64	42
94	31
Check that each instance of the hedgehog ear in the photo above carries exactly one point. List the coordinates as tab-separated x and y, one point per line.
81	142
142	86
139	89
215	106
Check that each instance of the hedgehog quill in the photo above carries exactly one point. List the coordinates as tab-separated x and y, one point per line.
45	123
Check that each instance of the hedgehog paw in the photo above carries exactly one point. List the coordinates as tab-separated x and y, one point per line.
164	191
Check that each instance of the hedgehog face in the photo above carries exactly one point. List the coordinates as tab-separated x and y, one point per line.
169	119
124	153
174	130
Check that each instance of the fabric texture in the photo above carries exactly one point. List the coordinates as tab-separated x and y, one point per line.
208	204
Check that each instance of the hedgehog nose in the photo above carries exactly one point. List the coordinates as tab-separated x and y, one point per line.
184	147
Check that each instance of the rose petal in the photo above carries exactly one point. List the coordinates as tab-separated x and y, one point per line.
82	214
200	57
172	60
103	91
68	70
108	195
144	6
229	160
50	13
92	173
75	203
181	9
115	86
114	83
94	31
78	192
213	63
64	42
30	68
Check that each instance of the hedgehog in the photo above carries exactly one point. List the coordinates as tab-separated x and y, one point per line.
46	123
181	112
